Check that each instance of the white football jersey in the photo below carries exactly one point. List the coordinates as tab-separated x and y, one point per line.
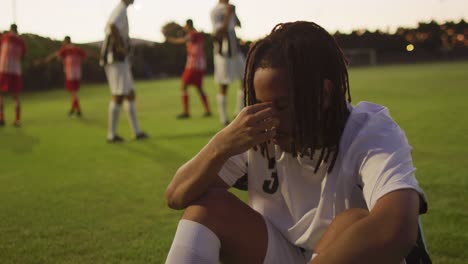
374	159
229	45
119	18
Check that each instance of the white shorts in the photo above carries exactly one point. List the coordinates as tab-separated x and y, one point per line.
227	70
281	251
119	77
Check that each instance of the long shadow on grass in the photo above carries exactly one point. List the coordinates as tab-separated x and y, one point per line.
16	141
88	121
155	153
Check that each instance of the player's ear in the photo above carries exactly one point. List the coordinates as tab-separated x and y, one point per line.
327	92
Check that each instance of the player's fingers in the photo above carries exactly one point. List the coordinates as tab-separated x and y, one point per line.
252	109
266	124
266	135
265	113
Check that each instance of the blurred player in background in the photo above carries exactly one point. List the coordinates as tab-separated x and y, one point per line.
12	51
229	62
194	67
115	59
72	57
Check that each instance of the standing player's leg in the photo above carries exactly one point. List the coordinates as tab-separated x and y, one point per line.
68	87
240	100
73	86
185	80
221	99
76	103
114	78
198	81
185	102
204	99
209	232
222	76
126	82
3	91
16	85
131	111
16	99
114	111
2	117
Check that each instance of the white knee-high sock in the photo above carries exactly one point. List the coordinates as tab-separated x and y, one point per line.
132	118
221	99
240	101
113	118
194	244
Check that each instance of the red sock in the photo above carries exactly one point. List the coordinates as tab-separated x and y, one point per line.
76	104
205	103
18	113
185	102
1	113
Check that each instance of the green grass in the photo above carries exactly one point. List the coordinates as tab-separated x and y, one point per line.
66	196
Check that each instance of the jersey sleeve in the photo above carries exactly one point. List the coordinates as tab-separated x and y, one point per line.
386	163
115	16
234	168
217	18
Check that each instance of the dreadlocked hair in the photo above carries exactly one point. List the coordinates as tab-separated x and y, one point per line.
310	56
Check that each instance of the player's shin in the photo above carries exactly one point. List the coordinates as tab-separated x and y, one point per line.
221	99
194	243
114	110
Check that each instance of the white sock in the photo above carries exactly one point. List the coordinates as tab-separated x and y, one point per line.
221	99
240	101
113	118
194	244
131	111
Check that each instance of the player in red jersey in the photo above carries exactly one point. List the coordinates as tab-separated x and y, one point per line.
194	67
12	51
72	57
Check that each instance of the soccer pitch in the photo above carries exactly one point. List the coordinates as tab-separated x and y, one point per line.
66	196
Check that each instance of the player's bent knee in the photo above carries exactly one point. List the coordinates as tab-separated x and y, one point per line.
211	202
210	209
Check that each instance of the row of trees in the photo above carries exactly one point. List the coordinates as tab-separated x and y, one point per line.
158	60
431	41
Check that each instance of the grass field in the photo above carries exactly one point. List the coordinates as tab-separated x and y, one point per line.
66	196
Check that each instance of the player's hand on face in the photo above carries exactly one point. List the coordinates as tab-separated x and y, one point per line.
255	124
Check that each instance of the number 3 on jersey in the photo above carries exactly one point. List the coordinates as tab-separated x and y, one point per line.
271	186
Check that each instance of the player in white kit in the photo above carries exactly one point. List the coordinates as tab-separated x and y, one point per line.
229	62
328	182
115	53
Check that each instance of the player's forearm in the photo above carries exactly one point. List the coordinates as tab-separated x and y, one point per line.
176	40
49	58
194	177
363	243
385	236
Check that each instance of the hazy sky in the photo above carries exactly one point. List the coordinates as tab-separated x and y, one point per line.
84	20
